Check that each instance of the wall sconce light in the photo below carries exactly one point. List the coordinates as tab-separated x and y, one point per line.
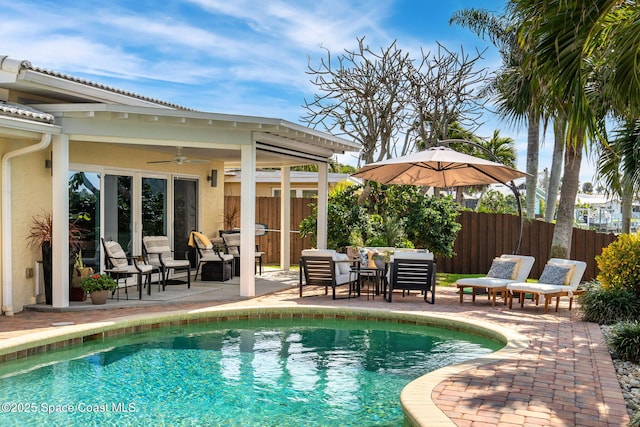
213	178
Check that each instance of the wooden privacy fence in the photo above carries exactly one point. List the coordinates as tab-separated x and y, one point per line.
485	236
268	213
482	237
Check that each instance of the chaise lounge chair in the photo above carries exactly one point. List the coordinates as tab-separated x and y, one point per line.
560	277
504	270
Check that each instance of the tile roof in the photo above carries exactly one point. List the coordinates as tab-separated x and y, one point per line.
24	112
28	65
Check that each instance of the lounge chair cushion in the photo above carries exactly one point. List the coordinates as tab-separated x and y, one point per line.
502	268
484	282
117	255
554	274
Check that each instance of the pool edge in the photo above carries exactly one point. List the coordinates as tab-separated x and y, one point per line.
416	397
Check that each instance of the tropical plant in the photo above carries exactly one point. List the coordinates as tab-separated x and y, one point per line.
349	223
493	201
624	341
98	282
41	232
586	51
619	167
516	92
619	263
608	306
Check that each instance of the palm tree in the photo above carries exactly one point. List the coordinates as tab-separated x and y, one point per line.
566	39
619	167
502	148
517	92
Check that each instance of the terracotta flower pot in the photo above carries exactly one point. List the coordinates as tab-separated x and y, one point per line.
99	297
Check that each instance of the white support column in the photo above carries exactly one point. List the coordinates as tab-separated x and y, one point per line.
323	204
248	221
60	214
285	218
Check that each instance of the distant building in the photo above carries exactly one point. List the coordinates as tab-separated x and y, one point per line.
303	184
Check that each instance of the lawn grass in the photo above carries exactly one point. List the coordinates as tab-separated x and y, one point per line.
449	279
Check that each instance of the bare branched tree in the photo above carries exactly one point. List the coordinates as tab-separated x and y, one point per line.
362	94
391	103
444	89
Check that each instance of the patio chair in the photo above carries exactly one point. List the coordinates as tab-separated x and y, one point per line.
159	253
208	253
559	278
413	271
122	266
326	267
504	270
232	246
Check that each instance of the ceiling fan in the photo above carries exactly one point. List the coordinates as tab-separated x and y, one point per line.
180	159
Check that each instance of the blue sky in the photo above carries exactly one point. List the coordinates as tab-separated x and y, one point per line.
239	57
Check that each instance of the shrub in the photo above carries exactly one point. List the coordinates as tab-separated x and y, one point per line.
606	306
624	341
619	264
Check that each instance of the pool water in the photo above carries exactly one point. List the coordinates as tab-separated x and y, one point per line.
242	373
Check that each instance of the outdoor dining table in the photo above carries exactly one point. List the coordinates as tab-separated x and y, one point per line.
375	276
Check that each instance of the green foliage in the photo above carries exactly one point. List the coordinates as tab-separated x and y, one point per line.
493	201
619	264
396	215
606	306
624	341
98	282
431	223
389	231
347	221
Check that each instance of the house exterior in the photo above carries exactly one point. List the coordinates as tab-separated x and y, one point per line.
303	184
131	164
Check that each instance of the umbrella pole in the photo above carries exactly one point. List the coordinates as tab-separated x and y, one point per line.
516	193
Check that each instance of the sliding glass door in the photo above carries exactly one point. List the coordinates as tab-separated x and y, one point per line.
185	211
124	207
154	207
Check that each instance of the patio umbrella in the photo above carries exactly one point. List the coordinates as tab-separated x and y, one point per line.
443	167
438	167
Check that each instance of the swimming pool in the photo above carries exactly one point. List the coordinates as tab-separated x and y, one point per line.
190	375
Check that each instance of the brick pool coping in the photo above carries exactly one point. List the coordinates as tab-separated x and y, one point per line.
561	374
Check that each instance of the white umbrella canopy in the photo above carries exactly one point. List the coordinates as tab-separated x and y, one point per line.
438	167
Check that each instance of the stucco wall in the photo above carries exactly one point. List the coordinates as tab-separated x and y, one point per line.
32	195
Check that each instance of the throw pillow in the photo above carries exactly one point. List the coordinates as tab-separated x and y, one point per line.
516	269
554	274
569	275
501	269
371	263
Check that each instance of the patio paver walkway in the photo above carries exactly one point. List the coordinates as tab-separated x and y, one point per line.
564	378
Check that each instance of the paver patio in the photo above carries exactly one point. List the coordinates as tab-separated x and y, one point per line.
564	378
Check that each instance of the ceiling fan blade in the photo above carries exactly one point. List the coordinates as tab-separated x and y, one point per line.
160	161
195	161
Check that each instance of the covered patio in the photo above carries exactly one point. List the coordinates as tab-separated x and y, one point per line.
123	147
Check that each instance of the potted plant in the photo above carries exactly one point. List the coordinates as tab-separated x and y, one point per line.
79	272
99	286
41	236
